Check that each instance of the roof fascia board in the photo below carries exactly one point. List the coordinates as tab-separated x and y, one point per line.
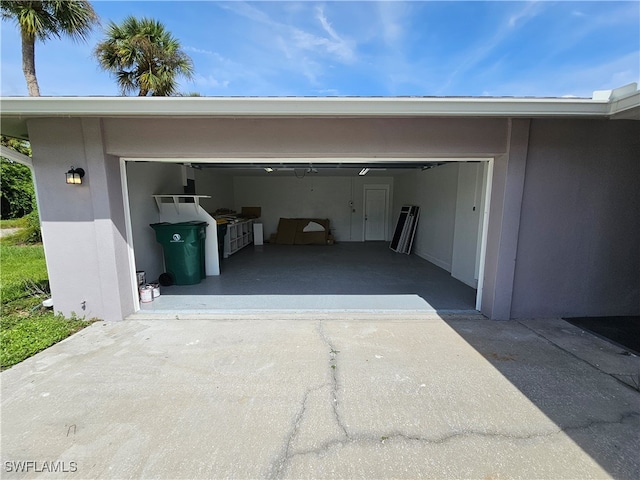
14	156
623	104
31	107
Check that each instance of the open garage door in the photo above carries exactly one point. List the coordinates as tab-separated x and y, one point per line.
442	274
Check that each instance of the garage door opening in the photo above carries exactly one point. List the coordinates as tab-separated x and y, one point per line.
359	271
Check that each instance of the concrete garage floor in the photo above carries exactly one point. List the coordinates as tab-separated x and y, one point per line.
356	276
325	397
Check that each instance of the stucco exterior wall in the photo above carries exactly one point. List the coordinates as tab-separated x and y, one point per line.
563	233
83	226
305	137
504	222
579	240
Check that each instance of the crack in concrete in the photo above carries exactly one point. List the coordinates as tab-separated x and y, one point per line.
281	462
368	439
333	364
280	465
596	367
621	419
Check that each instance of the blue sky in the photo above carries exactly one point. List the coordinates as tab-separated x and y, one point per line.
449	48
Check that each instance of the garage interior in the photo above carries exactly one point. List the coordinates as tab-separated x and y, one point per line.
361	200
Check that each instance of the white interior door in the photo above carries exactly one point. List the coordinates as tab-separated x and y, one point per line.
375	213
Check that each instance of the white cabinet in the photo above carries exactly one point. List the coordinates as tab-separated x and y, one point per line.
239	235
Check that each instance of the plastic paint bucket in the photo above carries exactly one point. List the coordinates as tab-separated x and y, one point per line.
155	289
146	294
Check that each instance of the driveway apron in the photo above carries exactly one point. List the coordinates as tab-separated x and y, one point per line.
324	397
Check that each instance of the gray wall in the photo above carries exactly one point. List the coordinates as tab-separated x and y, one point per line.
563	231
145	179
507	186
305	137
83	226
312	196
219	186
579	241
467	236
448	227
434	191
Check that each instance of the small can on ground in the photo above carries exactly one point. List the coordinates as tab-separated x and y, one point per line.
146	294
155	287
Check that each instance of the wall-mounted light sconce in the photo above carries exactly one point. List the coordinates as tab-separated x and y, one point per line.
363	172
74	176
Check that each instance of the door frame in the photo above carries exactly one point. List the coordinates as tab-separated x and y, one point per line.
485	224
386	210
485	232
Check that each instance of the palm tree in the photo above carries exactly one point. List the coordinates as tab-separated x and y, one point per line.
144	57
45	19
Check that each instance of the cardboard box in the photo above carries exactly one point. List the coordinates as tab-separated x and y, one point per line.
291	231
251	212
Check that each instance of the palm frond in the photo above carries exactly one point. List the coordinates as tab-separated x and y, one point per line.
143	53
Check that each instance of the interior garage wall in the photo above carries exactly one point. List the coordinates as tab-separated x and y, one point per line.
579	241
218	185
145	179
467	238
312	196
357	215
290	197
434	191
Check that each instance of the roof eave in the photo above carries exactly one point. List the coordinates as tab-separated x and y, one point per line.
298	107
622	103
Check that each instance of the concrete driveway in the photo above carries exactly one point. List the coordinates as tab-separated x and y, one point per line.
356	397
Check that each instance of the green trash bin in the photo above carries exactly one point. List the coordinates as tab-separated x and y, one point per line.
183	245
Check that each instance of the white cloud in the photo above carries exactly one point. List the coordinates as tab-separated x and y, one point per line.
391	18
326	25
530	10
295	37
486	48
210	81
208	53
332	44
575	81
199	50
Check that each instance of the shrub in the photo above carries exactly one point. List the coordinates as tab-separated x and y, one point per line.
16	191
31	233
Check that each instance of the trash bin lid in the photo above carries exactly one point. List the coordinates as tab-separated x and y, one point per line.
192	223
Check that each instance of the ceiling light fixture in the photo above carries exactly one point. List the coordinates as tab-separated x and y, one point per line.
363	172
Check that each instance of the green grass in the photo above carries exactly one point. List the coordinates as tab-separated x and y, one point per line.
14	223
26	327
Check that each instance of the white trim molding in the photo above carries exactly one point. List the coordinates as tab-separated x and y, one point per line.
620	103
18	157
